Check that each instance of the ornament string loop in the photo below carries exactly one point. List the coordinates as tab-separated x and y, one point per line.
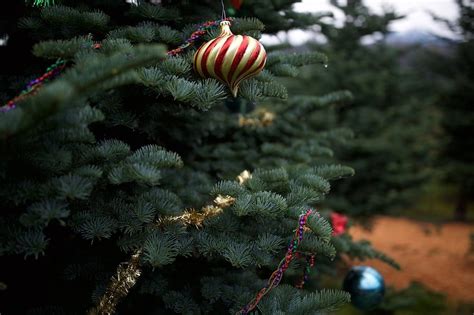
223	15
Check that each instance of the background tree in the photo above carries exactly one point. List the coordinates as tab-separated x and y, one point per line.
390	115
456	82
122	156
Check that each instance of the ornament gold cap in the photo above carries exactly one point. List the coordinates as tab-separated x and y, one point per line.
225	28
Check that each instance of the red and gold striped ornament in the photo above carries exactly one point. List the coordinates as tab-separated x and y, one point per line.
230	58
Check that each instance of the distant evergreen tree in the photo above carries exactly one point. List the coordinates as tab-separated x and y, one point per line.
456	101
390	115
104	164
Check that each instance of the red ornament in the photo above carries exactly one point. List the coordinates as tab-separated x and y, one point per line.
339	223
236	3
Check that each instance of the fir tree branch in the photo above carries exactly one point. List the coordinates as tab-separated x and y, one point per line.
127	274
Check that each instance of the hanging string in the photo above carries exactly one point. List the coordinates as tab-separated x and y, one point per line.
223	15
55	69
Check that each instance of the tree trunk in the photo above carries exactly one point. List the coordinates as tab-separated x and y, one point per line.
460	212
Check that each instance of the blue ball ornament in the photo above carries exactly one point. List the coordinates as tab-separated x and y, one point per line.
366	287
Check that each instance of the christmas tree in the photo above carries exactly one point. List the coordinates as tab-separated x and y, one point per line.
390	114
132	185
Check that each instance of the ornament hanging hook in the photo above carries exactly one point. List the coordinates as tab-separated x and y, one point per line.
223	15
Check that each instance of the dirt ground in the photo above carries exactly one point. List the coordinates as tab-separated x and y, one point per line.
433	255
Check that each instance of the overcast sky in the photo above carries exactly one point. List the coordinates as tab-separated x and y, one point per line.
416	11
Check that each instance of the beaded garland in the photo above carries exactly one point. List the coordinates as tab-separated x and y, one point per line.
51	72
291	253
309	264
55	69
202	30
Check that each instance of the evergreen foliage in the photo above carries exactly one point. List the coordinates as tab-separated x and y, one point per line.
97	162
415	299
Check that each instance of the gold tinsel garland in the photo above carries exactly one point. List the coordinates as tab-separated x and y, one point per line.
243	177
128	273
125	278
196	218
261	118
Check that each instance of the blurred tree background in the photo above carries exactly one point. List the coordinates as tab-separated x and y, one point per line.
456	83
392	114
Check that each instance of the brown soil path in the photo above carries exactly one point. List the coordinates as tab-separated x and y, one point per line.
433	255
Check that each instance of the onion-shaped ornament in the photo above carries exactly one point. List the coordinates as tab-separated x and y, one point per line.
230	58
